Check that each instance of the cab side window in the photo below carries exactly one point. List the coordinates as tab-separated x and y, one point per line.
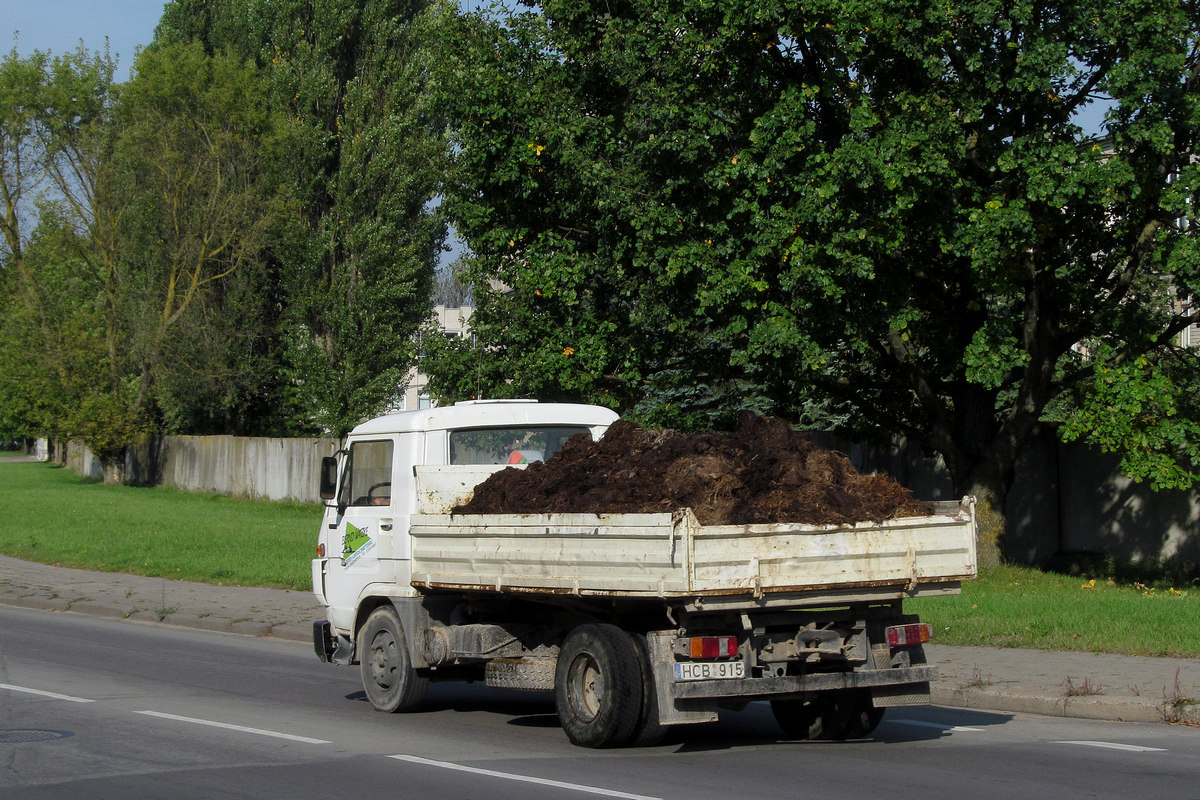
368	476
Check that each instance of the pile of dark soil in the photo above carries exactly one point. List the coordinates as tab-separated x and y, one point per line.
763	472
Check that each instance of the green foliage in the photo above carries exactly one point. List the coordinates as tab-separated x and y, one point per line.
248	224
592	226
58	370
363	161
194	143
1146	410
883	213
192	150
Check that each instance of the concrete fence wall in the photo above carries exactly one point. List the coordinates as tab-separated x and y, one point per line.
242	466
1067	498
239	466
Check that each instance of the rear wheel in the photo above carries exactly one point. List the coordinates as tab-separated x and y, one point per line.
388	676
801	719
598	686
842	714
856	714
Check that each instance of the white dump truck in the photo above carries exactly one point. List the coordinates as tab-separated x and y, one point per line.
635	622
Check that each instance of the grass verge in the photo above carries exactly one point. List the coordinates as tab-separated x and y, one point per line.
1021	607
53	516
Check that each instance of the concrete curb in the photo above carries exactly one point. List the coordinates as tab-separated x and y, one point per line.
1098	707
284	631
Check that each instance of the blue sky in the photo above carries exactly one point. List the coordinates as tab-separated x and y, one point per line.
58	26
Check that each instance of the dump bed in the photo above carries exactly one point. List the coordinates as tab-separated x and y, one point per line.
673	556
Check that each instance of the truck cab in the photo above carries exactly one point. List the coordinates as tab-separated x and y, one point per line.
370	490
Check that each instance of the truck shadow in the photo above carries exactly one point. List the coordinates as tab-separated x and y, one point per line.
753	726
527	709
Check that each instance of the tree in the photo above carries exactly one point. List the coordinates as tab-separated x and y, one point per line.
57	350
130	303
193	148
364	159
881	212
52	354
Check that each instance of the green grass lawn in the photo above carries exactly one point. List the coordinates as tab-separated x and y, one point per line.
1019	607
53	516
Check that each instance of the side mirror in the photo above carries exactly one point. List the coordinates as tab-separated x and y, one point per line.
329	467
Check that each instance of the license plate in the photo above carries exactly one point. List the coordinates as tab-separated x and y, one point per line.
709	670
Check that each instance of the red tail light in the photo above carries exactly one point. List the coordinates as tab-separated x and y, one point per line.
714	646
916	633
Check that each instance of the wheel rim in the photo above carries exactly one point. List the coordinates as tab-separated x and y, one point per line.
586	692
383	661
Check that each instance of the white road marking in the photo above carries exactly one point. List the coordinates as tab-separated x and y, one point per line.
1130	748
228	726
575	787
55	695
922	724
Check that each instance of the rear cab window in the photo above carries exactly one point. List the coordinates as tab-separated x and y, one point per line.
513	445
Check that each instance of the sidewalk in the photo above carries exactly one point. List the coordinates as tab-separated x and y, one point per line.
229	609
1086	685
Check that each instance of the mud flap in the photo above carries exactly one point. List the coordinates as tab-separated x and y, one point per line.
323	640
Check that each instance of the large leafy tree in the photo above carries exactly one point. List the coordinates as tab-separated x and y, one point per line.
364	160
55	379
193	147
129	305
61	374
886	212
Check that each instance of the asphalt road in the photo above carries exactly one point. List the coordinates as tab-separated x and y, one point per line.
94	708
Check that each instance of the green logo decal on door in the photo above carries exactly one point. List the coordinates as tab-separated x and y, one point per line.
355	543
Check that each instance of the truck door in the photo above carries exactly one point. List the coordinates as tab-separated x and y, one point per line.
359	528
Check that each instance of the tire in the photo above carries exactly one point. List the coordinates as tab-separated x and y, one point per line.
388	676
598	686
801	719
649	730
856	713
839	715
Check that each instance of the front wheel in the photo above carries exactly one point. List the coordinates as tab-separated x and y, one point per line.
388	676
598	686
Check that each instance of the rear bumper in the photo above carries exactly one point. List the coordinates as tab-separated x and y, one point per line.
794	685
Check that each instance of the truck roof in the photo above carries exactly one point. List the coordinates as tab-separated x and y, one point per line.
488	414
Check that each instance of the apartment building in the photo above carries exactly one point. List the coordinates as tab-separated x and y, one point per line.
452	323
